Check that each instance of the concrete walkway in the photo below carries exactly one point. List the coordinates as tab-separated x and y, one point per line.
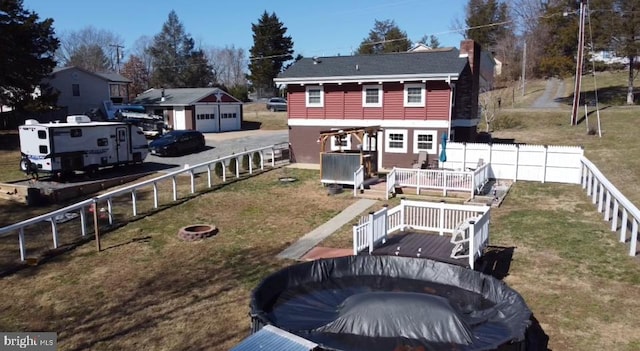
313	238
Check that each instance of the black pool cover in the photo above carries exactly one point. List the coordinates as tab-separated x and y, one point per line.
391	303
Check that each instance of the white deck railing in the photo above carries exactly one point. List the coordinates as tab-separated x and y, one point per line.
440	217
441	179
358	180
109	197
391	183
617	209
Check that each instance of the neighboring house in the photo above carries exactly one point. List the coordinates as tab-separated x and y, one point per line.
415	97
80	90
203	109
609	57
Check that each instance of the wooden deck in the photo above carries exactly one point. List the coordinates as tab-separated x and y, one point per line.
424	245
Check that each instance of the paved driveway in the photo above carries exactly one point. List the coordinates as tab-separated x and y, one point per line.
220	145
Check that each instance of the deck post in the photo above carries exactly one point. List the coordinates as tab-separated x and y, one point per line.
370	232
402	214
472	239
355	240
386	222
441	218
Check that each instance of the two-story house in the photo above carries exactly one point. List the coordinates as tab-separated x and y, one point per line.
414	97
80	90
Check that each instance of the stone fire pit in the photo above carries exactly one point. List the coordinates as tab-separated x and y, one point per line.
197	232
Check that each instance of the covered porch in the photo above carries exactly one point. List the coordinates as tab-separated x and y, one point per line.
343	164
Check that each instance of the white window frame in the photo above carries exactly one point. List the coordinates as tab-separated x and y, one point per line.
306	97
423	99
434	145
364	95
365	143
395	150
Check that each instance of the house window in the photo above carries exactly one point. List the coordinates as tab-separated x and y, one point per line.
315	96
414	95
372	96
340	142
75	89
103	141
425	140
395	140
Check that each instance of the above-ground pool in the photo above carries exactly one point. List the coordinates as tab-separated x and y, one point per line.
391	303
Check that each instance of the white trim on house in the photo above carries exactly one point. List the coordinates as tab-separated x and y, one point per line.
434	141
387	140
423	99
465	122
378	88
384	123
319	88
367	79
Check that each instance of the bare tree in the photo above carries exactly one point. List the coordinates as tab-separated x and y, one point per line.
489	102
230	65
140	49
87	41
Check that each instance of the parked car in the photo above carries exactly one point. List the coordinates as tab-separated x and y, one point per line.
177	142
277	104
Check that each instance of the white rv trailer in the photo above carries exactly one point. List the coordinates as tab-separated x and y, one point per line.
79	145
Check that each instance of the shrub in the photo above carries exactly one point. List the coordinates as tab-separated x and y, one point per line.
232	166
245	162
256	159
218	169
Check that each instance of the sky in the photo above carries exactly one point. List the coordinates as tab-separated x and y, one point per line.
318	28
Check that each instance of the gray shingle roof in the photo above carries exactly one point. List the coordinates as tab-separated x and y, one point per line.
175	97
108	76
434	62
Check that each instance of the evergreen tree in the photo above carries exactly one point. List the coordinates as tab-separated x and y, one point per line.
176	62
27	56
430	41
271	49
385	37
485	20
561	38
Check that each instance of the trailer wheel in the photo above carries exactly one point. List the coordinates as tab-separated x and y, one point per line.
24	165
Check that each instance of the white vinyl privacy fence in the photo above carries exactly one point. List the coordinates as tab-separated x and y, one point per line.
542	163
128	196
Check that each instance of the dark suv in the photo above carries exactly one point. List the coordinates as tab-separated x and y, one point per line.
177	142
277	104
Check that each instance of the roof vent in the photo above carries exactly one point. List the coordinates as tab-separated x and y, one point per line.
162	96
316	60
78	119
357	67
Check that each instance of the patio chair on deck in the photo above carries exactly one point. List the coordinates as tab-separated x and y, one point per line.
422	160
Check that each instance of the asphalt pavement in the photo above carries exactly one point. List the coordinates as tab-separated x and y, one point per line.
220	145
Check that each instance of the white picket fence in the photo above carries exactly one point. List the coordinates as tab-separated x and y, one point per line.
540	163
438	179
21	229
617	209
441	218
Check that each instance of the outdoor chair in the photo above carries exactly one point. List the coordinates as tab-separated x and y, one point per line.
460	239
421	163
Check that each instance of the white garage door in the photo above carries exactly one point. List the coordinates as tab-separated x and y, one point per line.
229	117
206	119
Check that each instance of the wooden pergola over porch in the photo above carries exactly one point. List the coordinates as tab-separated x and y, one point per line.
339	166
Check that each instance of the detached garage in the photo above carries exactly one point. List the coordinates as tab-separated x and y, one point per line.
205	109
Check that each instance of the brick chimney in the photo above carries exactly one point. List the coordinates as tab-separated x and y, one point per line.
472	50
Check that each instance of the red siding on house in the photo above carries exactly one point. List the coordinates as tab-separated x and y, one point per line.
345	102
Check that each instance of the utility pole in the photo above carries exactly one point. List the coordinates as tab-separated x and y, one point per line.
118	47
580	58
524	66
